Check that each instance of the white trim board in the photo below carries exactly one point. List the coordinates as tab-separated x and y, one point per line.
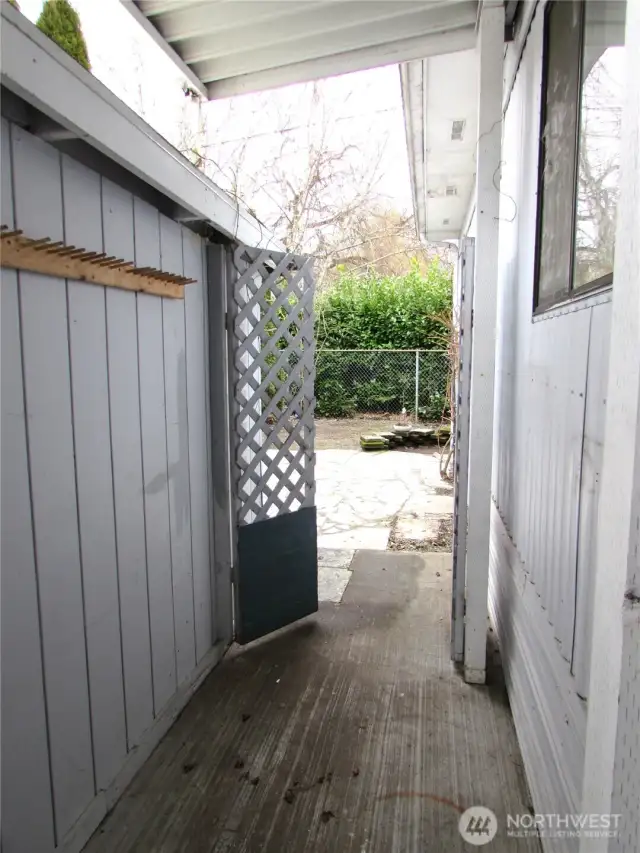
612	759
490	67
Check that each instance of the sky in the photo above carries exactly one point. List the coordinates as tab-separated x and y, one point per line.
364	109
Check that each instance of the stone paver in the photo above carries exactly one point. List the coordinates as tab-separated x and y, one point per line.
335	558
332	584
418	528
334	573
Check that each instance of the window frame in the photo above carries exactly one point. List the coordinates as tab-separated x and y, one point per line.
606	281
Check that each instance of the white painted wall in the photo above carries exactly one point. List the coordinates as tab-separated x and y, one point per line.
612	766
557	503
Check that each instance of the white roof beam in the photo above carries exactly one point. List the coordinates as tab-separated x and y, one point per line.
378	34
204	18
163	7
343	63
413	92
298	24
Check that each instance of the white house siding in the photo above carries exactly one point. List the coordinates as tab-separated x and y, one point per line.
106	524
625	798
550	404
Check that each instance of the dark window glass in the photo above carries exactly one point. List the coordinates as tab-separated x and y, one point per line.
559	142
582	104
601	102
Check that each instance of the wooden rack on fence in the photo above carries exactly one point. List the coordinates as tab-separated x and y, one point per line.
57	259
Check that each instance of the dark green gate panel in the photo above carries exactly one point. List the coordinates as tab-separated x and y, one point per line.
277	574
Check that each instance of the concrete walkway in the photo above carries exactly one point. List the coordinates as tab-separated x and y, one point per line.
361	496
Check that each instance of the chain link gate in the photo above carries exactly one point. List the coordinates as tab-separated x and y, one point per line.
272	428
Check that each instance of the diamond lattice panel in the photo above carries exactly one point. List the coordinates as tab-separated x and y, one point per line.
273	376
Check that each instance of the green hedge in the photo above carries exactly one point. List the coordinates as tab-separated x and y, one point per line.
389	312
373	312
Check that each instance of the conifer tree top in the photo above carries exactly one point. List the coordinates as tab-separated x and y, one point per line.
60	21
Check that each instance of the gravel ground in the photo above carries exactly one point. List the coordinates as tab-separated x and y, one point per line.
443	541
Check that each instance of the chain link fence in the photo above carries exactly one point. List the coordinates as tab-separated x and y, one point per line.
350	382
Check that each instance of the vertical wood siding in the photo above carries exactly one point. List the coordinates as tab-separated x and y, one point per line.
550	390
106	524
177	420
126	459
51	442
27	808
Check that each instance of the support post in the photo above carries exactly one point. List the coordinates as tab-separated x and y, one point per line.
220	439
612	754
417	384
490	52
464	304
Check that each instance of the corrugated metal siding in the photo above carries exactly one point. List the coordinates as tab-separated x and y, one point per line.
592	447
106	524
550	388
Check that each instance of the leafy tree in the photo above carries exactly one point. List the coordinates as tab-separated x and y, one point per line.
60	21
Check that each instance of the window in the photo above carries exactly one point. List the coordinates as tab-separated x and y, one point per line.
583	93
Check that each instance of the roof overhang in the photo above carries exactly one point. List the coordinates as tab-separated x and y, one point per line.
440	95
228	47
76	106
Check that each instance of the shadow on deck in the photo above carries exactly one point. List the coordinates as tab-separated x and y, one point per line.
350	732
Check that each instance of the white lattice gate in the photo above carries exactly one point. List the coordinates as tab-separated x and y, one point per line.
273	460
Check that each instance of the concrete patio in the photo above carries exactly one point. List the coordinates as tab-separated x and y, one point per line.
362	496
375	501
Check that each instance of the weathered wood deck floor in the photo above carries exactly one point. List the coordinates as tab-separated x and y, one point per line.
350	732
